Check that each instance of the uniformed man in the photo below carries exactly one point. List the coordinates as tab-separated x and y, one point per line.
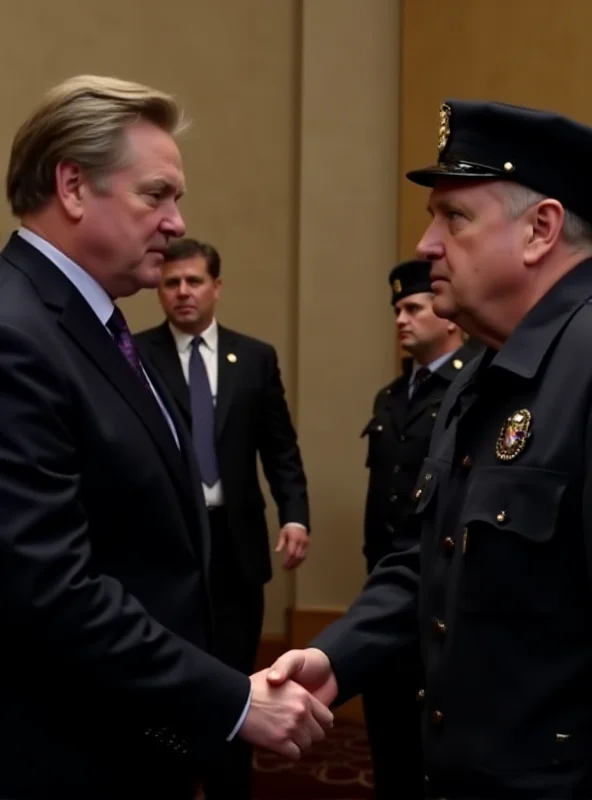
398	438
505	602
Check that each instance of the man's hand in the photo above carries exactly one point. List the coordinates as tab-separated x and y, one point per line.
295	541
310	668
285	718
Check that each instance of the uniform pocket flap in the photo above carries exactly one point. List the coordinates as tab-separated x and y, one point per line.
524	500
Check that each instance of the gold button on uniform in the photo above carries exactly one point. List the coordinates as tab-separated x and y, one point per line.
418	494
448	544
467	462
379	428
439	627
502	517
421	694
437	716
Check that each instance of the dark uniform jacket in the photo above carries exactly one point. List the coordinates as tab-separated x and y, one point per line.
398	438
506	557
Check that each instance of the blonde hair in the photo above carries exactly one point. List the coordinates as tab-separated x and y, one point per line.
82	120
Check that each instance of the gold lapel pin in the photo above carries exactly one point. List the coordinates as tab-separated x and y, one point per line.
231	357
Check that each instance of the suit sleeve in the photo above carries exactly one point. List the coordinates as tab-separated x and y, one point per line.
279	451
84	620
381	622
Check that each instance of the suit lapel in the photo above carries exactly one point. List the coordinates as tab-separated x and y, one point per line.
228	368
186	445
84	328
163	353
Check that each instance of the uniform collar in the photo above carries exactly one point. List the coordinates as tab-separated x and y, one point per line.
525	349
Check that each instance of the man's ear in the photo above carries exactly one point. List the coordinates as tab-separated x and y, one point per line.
69	182
545	225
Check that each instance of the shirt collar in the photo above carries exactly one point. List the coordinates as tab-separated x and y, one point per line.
432	366
185	340
93	293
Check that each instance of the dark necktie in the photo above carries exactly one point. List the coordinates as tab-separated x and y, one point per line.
124	340
422	374
202	416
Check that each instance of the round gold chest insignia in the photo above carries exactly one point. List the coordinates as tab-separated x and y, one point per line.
514	435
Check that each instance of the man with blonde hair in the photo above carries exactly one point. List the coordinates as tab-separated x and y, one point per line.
109	686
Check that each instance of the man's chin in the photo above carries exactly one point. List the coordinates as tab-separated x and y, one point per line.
444	307
149	273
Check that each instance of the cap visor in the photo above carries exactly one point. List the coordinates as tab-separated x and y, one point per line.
429	175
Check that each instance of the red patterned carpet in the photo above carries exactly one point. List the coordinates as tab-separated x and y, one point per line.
337	769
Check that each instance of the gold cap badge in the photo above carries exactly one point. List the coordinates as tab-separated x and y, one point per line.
514	435
444	127
231	357
397	286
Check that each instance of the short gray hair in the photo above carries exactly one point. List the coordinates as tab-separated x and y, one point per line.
517	198
83	120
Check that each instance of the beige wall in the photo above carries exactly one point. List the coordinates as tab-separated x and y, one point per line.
346	246
291	170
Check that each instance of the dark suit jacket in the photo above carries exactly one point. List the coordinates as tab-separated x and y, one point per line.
251	417
399	435
103	541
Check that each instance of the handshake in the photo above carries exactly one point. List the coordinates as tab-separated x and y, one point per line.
289	703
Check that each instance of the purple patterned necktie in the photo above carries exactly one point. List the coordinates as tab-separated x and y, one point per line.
124	340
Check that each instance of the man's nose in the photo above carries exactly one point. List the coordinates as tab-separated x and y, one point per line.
173	224
429	246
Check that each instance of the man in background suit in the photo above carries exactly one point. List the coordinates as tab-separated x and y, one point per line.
399	434
229	391
108	689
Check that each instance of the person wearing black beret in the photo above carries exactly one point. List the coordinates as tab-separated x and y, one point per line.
398	436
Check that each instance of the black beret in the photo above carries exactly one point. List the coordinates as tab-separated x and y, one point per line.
542	150
410	277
